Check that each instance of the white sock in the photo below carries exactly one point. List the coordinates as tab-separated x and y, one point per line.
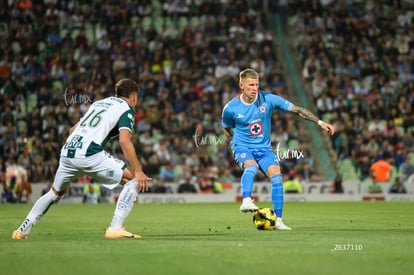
38	210
124	204
248	199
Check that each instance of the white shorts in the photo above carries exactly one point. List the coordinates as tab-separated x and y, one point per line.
103	167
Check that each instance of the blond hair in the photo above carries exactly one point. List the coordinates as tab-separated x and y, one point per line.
248	73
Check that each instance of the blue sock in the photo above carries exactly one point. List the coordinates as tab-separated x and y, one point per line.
247	180
277	194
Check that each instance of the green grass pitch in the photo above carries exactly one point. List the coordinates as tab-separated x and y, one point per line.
327	238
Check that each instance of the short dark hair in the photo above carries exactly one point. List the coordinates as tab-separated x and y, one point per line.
125	87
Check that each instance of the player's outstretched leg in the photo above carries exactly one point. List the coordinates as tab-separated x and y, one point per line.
124	206
36	213
278	200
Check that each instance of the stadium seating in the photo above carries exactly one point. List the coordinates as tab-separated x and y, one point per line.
313	25
191	67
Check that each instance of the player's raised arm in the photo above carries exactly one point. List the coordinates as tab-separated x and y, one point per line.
308	115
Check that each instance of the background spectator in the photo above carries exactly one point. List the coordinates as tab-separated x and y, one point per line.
90	195
186	186
374	188
292	185
398	187
381	170
160	187
337	187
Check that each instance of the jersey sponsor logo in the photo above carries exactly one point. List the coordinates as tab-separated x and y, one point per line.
130	116
262	109
240	116
256	128
74	143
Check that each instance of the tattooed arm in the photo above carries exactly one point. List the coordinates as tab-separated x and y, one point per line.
308	115
304	113
228	133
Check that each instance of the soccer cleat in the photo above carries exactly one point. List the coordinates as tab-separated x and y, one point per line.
281	226
120	234
248	206
17	235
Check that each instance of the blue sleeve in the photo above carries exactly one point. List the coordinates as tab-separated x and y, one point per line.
279	102
227	118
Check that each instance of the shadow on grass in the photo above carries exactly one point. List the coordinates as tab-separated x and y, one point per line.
186	235
325	229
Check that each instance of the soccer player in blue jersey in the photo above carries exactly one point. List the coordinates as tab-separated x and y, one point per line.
246	121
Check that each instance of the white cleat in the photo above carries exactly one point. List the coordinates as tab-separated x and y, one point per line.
281	226
248	206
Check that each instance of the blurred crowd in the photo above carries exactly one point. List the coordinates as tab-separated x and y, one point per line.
358	62
57	57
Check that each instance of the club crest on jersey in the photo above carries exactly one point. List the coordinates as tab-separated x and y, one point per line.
256	128
262	109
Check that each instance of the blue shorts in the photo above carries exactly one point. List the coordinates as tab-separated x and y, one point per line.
264	157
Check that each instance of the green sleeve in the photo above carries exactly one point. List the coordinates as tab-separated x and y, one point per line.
127	120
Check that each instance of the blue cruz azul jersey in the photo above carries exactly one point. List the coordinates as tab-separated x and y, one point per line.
251	123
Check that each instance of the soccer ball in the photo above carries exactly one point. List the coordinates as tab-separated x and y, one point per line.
264	219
